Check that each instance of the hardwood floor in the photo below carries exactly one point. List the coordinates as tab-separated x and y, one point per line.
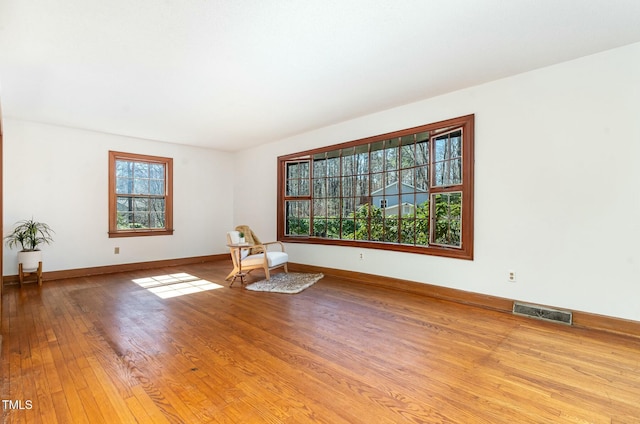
107	350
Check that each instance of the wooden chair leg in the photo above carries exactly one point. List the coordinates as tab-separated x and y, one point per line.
232	273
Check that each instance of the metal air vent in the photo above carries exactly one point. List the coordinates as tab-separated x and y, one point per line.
544	313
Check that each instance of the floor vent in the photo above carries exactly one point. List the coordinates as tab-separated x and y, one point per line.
541	312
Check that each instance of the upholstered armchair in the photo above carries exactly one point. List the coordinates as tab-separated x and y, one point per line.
255	255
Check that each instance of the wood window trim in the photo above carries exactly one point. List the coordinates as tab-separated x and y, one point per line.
467	187
113	227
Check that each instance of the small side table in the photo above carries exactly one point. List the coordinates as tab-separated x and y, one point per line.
236	251
37	272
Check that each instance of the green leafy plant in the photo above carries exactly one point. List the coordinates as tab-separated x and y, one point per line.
241	234
29	234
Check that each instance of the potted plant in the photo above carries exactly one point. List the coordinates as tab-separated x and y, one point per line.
29	234
241	235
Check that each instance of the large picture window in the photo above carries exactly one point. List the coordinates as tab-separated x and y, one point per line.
140	195
411	190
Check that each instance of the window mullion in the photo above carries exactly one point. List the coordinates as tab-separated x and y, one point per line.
399	182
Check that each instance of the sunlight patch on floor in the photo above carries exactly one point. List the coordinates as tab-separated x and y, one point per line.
174	285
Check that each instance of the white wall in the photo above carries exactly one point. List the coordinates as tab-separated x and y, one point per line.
557	187
60	176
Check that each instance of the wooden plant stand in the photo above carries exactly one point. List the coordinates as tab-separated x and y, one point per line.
36	272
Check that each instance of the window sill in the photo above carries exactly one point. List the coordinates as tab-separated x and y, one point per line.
140	233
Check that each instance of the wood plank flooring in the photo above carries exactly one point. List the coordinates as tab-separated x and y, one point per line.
107	350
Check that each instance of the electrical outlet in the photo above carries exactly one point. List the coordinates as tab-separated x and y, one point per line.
361	256
116	250
511	276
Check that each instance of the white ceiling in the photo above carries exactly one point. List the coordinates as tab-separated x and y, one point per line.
230	74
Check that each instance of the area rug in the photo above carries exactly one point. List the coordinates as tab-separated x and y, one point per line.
292	282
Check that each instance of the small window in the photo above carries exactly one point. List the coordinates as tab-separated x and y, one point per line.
140	195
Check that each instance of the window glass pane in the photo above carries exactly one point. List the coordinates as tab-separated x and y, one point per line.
292	188
319	208
297	217
140	220
333	228
333	218
124	204
124	185
156	219
304	170
320	187
391	178
408	180
348	186
156	186
448	218
379	201
348	228
319	168
407	156
304	187
390	229
391	154
407	231
293	171
362	185
157	205
348	207
140	186
447	159
361	230
362	159
333	167
156	171
448	173
348	161
422	229
408	140
124	169
320	227
140	170
375	224
334	187
297	183
333	208
422	153
422	137
422	178
124	220
377	183
141	204
377	157
364	211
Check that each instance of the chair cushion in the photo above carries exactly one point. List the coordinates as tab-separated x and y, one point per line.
273	259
